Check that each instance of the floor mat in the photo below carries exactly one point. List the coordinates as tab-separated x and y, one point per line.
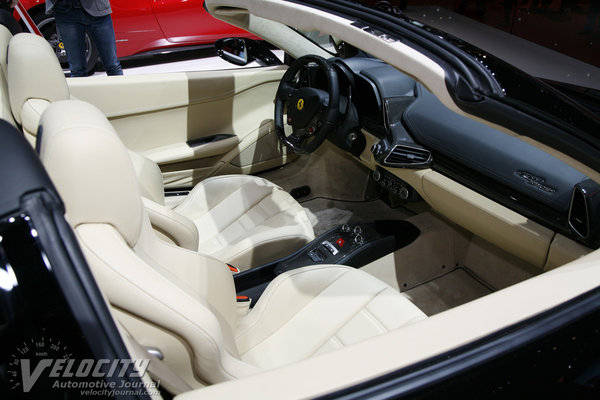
447	291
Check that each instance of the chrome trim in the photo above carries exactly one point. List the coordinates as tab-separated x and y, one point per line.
408	164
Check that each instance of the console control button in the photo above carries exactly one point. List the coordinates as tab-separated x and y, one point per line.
340	242
359	239
331	248
315	255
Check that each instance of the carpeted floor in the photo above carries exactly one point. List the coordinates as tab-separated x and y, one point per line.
452	289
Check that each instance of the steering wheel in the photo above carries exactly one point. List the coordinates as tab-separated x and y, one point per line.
313	113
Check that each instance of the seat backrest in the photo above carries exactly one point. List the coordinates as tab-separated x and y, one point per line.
35	79
5	110
181	291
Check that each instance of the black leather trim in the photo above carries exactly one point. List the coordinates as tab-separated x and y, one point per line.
504	159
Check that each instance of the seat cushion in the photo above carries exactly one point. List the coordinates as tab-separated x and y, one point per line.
311	310
245	220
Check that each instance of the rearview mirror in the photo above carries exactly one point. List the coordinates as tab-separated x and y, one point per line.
242	51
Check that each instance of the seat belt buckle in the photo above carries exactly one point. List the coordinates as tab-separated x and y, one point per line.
243	305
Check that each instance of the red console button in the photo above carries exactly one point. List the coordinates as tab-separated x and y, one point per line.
340	242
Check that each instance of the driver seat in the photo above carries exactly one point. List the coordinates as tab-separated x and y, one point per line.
302	313
244	220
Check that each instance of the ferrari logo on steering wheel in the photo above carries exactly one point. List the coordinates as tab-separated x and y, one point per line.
300	104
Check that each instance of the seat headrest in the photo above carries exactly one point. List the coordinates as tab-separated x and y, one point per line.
91	168
5	37
33	72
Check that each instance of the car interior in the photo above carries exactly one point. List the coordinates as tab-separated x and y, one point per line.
223	254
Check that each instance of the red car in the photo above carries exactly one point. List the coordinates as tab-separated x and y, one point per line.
143	26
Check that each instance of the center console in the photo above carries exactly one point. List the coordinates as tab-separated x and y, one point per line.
353	245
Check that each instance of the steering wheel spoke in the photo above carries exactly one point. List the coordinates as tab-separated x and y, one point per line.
285	91
312	112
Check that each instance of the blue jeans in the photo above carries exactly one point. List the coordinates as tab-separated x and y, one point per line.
72	25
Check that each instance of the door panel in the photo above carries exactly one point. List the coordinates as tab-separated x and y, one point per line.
194	124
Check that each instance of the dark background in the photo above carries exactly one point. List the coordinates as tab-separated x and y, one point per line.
570	27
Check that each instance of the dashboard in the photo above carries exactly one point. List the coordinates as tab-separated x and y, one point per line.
415	130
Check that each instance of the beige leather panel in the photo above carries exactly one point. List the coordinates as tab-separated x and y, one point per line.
157	114
564	250
147	111
122	96
258	151
508	230
500	226
235	101
159	110
423	259
183	152
266	147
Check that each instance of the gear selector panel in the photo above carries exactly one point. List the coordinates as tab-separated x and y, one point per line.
353	245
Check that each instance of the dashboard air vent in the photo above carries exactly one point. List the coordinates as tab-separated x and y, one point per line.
578	214
408	156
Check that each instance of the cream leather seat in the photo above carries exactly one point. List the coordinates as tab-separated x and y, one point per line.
5	110
35	79
244	220
241	219
302	313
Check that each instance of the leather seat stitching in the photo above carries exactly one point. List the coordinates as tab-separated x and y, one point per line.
347	321
195	193
244	213
336	339
256	204
373	318
268	302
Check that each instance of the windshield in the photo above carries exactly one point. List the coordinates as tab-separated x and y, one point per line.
323	40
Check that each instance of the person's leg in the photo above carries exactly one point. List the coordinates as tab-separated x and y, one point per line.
71	29
102	33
